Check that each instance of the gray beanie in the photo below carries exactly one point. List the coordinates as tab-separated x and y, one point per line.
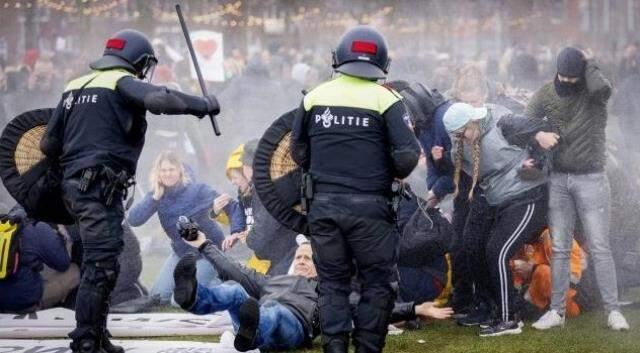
248	152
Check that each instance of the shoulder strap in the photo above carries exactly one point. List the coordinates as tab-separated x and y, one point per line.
69	101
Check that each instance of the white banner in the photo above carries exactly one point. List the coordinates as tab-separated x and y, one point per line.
130	346
208	48
58	322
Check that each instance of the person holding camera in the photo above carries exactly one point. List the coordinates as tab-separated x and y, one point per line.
96	135
268	312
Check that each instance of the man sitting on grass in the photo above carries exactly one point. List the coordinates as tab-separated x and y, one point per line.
268	312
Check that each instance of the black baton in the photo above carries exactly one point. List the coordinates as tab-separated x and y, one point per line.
183	24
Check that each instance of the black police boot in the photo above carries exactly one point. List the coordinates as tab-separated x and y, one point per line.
184	276
86	345
249	318
104	334
368	342
335	344
106	344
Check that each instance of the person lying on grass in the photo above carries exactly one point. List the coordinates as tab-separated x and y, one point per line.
268	312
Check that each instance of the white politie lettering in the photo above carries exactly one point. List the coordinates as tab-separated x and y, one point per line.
82	99
328	120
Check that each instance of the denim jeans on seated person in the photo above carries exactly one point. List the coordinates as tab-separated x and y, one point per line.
164	284
279	328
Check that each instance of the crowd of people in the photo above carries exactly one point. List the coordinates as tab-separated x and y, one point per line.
513	194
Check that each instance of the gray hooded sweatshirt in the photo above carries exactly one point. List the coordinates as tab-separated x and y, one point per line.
499	161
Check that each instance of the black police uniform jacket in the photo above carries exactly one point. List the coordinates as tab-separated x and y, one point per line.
100	120
102	129
352	136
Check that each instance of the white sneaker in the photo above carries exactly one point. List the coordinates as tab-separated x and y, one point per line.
617	322
550	319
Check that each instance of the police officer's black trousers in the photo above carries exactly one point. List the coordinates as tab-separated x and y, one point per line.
350	232
101	231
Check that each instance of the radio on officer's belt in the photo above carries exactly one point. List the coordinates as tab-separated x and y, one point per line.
306	189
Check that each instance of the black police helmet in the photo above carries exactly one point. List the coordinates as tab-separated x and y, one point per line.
362	52
130	50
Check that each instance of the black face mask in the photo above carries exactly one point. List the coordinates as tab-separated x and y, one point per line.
566	89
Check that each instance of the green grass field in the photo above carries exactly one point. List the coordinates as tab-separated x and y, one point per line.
586	334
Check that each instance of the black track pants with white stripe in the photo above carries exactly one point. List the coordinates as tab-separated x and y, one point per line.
512	227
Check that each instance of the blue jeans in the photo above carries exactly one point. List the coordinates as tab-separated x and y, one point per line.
584	197
164	284
279	328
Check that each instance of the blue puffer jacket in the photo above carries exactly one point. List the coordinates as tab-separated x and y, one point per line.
40	245
193	200
439	174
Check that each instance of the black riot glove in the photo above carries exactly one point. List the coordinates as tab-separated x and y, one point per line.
213	108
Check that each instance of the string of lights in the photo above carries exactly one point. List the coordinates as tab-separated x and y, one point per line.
85	7
230	15
232	9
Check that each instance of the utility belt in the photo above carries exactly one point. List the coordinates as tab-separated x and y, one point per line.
393	197
115	183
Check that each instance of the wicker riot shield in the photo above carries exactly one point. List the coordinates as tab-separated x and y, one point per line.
29	176
276	176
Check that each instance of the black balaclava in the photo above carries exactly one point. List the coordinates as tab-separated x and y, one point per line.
570	63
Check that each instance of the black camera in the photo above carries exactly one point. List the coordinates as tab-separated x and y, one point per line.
187	228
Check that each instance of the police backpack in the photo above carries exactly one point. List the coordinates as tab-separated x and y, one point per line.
420	100
10	230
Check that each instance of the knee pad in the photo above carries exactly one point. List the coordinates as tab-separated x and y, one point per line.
102	273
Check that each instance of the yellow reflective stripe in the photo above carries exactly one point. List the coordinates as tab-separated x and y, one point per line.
103	79
347	91
6	230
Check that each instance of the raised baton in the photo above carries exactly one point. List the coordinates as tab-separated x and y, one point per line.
203	87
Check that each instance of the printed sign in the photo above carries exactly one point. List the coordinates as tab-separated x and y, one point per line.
208	48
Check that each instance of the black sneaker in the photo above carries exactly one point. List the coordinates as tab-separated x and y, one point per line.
463	312
249	318
501	328
480	315
184	277
496	321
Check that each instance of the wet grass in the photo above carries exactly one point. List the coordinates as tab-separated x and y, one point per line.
586	334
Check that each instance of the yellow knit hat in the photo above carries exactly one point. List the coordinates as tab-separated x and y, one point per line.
235	160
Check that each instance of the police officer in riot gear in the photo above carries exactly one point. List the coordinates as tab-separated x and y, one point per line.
350	136
96	135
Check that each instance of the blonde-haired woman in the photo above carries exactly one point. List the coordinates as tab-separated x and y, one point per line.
174	193
517	207
470	86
